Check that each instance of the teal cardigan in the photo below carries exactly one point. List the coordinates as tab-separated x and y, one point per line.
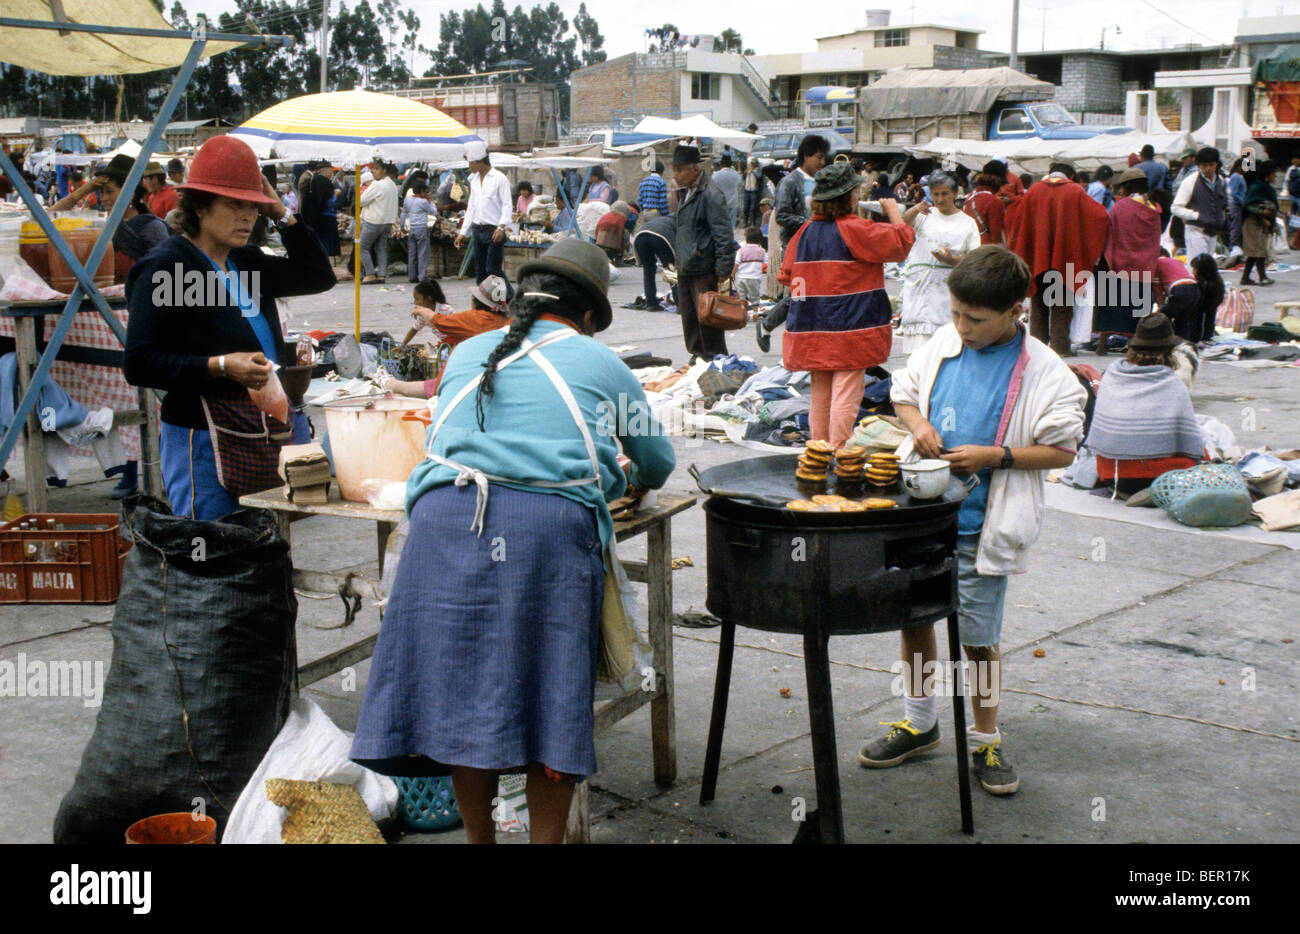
529	433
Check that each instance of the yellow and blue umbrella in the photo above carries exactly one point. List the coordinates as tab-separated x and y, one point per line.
355	127
352	128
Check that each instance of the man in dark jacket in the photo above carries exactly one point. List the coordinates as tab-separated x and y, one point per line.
705	249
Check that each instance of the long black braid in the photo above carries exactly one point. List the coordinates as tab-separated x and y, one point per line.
571	302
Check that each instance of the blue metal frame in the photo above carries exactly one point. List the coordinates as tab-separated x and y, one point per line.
573	230
85	286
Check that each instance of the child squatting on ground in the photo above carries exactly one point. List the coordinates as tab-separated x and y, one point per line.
994	402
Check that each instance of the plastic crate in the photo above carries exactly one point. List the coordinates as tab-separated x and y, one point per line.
79	562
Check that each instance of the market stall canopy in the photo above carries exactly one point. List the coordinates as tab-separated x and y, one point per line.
35	160
1282	65
700	127
350	127
85	53
1035	155
939	92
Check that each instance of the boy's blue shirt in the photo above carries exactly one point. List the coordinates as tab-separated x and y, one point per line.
966	404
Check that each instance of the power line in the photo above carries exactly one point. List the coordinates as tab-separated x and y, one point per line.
1181	23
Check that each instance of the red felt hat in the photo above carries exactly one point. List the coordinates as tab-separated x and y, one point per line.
226	165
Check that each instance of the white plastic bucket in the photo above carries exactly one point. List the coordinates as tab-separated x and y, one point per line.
370	440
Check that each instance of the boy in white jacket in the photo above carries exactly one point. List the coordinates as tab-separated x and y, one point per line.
992	401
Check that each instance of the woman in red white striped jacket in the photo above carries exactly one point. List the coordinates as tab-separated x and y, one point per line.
839	322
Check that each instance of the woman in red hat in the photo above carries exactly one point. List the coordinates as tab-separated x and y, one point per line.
204	327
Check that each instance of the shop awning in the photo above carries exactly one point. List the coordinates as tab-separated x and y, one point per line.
94	53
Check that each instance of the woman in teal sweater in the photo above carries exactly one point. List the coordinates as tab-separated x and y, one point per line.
486	661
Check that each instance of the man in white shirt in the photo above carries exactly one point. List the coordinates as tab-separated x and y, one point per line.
378	215
1201	202
489	211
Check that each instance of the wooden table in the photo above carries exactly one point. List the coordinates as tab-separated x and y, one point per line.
25	316
655	572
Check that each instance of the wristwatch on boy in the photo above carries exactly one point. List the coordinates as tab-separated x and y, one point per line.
1007	461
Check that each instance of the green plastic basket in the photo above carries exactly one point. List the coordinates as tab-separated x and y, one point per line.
1204	495
427	803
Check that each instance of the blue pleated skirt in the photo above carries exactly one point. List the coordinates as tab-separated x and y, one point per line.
487	653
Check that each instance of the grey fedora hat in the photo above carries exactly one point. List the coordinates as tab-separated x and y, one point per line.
586	265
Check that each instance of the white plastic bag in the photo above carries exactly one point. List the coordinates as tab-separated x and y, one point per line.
309	748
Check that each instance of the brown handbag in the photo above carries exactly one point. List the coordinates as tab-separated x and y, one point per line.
724	312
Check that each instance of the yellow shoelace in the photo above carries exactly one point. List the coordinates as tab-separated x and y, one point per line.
990	751
900	726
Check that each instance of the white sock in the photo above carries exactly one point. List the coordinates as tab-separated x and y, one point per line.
975	739
919	710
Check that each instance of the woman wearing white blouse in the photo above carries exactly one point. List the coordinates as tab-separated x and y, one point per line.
944	234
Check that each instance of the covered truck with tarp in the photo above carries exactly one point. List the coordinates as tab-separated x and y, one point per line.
1277	95
910	107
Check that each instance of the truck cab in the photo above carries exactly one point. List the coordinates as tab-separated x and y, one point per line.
1042	120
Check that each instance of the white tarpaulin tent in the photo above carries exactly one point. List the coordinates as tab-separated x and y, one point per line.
35	160
85	53
700	127
1035	155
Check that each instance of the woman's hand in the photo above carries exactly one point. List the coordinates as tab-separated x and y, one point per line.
274	211
889	207
945	255
972	458
921	207
927	440
423	315
248	369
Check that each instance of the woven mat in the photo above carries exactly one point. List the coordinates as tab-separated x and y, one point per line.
322	812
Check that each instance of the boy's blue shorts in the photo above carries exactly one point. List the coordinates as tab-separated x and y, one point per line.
980	598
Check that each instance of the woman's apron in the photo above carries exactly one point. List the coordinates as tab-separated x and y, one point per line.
623	655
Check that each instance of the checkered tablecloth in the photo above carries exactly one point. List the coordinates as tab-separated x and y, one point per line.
95	387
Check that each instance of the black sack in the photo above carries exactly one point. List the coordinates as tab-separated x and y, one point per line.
229	622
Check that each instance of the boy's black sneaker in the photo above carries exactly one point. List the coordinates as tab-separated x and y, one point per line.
994	770
900	743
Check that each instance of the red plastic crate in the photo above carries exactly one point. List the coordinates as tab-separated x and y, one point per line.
80	562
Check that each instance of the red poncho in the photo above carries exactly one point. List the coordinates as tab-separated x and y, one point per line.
1057	227
1133	239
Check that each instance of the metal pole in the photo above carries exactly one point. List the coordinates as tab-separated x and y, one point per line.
356	250
244	39
324	42
85	285
1015	34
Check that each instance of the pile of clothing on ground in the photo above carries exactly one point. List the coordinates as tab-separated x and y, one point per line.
1269	343
731	398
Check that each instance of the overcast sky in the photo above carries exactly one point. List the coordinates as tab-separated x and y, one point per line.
772	27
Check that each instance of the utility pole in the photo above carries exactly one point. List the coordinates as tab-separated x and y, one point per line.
324	42
1015	34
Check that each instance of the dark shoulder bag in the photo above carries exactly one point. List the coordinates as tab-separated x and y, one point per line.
246	441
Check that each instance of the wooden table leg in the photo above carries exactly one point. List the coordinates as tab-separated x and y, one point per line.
33	439
578	828
382	531
659	583
151	446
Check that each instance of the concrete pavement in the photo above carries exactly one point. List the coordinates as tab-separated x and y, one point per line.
1163	708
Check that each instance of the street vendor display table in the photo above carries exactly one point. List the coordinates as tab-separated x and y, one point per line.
655	572
89	369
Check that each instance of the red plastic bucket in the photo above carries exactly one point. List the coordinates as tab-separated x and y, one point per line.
173	828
